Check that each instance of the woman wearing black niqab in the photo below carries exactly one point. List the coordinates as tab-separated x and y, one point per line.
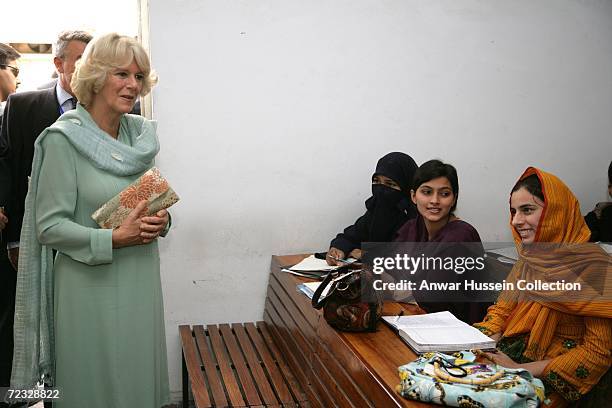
387	209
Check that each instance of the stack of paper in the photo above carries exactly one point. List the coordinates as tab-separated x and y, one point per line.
312	267
440	331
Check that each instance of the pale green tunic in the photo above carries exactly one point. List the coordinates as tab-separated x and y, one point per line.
110	345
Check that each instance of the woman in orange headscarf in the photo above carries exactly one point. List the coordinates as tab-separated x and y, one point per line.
564	338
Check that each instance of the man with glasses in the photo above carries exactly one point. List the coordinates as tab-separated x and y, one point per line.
8	75
8	84
26	115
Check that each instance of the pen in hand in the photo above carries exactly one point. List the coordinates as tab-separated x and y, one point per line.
337	259
400	314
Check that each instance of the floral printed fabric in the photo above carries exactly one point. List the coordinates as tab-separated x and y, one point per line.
516	388
151	186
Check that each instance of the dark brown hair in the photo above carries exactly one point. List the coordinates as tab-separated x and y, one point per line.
7	53
531	184
433	169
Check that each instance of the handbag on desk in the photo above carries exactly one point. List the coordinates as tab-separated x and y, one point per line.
458	381
344	307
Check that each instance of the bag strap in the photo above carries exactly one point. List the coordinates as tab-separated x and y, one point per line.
317	302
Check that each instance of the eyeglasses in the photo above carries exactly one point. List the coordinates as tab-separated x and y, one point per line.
12	68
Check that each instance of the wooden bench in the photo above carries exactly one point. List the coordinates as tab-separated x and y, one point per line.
236	366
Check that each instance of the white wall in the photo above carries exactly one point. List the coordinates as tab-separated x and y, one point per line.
272	115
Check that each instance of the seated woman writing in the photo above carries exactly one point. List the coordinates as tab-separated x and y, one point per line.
562	337
435	192
387	209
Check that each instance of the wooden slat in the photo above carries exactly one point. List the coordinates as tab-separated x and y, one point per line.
332	388
273	323
231	385
255	365
297	308
282	338
338	384
291	315
292	311
246	381
360	372
300	308
210	368
341	377
286	281
306	327
192	360
320	389
276	378
301	349
290	382
310	393
380	354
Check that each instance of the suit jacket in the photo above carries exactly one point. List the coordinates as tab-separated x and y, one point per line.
26	115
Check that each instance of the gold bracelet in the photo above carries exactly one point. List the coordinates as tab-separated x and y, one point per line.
472	381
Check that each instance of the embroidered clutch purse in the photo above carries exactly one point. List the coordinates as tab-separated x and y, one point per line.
151	186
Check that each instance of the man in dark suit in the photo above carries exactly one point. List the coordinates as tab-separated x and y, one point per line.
26	115
8	85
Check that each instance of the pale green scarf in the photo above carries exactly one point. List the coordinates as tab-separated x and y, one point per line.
34	354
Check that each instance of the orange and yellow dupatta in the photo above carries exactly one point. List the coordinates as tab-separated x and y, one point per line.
538	312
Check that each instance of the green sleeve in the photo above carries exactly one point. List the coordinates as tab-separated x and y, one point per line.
56	203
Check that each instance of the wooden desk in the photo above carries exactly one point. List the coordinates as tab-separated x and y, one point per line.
334	368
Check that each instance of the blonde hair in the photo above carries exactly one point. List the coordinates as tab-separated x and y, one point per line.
104	54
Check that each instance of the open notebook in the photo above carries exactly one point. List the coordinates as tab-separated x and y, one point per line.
440	331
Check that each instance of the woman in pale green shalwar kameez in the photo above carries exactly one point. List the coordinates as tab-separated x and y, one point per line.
104	344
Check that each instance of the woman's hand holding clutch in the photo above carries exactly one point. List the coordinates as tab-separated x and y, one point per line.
129	232
152	226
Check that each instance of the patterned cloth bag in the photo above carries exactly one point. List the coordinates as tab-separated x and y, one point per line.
458	381
151	186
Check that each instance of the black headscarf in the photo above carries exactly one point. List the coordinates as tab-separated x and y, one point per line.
387	209
399	167
391	208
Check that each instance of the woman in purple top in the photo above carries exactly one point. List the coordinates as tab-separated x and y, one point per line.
435	189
